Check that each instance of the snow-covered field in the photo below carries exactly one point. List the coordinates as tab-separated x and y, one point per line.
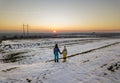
90	60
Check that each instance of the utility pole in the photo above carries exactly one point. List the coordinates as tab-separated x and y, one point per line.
23	30
27	30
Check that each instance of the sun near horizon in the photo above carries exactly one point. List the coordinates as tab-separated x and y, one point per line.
54	31
60	15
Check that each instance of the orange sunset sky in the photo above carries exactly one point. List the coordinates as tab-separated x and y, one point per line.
60	15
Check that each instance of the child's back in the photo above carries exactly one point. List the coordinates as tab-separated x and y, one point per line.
64	52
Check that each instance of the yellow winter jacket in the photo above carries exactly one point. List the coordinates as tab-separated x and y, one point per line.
64	52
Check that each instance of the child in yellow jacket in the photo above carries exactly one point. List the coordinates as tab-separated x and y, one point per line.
64	52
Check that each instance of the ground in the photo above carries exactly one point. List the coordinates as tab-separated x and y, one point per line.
90	60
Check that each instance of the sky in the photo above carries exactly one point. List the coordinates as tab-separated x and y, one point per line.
60	15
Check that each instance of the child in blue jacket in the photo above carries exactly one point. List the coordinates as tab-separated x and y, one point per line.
56	53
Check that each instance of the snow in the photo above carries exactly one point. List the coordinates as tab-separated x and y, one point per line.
89	67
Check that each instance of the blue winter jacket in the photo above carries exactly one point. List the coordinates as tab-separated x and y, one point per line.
56	50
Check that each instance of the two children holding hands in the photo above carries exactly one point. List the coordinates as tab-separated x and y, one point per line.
57	52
